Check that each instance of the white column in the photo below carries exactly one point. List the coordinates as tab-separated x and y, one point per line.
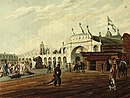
69	53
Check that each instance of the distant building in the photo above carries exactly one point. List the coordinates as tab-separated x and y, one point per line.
8	57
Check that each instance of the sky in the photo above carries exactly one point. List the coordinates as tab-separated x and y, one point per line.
25	23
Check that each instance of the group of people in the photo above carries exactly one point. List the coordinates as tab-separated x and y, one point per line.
14	68
79	66
117	66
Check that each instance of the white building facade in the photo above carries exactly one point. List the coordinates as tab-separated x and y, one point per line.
69	52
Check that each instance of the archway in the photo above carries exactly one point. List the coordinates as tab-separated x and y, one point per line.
75	54
54	62
45	61
59	60
95	48
65	62
77	58
49	60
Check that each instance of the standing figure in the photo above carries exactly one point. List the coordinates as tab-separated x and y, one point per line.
112	76
57	74
22	68
5	68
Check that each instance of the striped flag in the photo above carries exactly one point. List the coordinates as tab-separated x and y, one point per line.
111	24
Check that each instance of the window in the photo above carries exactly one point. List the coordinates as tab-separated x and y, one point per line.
95	48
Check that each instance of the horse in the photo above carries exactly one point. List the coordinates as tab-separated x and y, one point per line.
76	67
122	69
79	66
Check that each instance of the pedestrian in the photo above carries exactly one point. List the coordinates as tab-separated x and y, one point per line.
57	74
22	68
5	68
112	76
114	69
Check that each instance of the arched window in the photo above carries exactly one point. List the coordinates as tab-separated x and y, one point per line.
59	60
95	48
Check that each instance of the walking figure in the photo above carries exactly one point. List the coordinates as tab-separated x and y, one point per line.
112	76
57	74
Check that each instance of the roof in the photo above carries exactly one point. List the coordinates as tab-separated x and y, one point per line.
99	55
108	40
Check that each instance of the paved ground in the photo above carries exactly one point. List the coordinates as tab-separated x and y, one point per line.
74	85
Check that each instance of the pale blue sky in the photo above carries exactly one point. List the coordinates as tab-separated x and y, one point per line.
25	23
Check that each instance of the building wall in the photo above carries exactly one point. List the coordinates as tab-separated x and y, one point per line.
99	57
98	65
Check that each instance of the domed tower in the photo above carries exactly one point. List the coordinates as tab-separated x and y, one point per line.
42	48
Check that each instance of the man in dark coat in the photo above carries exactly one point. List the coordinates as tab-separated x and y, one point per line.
57	74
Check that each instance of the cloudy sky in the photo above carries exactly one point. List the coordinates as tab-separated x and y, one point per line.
25	23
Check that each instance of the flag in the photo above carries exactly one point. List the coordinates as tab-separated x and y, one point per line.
109	21
111	24
114	27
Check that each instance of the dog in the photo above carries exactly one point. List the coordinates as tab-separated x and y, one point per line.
112	84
